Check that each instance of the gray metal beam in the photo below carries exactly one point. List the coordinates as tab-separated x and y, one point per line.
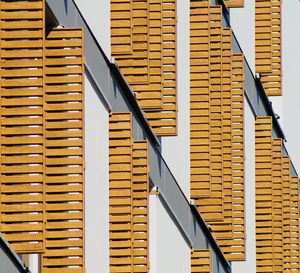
110	82
9	260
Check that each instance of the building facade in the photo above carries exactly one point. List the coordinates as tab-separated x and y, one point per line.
148	135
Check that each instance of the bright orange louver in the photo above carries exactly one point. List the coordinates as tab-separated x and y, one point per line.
64	171
128	205
277	234
140	189
120	192
22	124
143	40
268	45
217	128
41	137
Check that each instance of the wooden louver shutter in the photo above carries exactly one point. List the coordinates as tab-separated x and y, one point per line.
277	226
217	128
268	45
150	64
120	193
22	124
128	207
64	169
140	188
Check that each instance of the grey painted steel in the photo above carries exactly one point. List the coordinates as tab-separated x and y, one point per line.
114	88
9	261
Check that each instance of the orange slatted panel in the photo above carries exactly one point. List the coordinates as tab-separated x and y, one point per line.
295	267
238	158
140	204
120	192
217	128
142	66
22	149
223	230
64	151
212	206
164	121
264	195
277	205
286	199
272	81
201	261
150	66
200	98
121	26
263	37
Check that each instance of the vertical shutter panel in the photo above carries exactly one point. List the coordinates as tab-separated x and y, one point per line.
295	224
277	236
277	205
22	149
150	66
120	192
199	99
272	81
217	128
264	194
263	45
238	158
164	121
286	194
140	205
64	151
121	26
268	49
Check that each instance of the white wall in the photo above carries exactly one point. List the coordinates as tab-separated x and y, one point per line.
242	21
176	150
291	76
249	265
97	15
96	183
169	252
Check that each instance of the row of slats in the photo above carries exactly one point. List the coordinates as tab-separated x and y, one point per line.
237	251
199	99
140	189
223	230
149	60
294	233
263	39
22	124
121	26
201	261
264	195
277	226
120	193
212	206
64	151
128	200
234	3
268	49
164	121
41	137
142	66
217	128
